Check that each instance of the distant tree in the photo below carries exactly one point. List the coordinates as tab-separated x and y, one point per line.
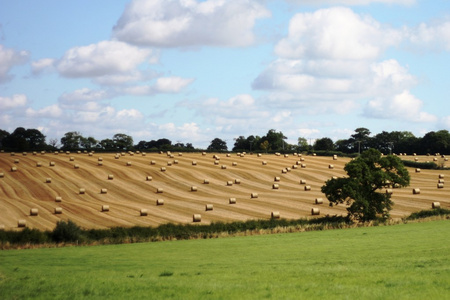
345	146
88	143
107	144
325	144
362	188
122	141
25	139
436	142
302	144
217	145
71	140
360	139
53	143
3	134
265	146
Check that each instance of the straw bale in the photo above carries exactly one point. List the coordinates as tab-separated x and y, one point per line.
105	207
38	164
58	210
13	169
34	212
100	159
440	185
21	223
275	215
163	169
275	186
159	190
153	162
82	191
75	166
103	191
307	187
294	167
302	181
259	155
205	181
196	218
237	181
144	212
276	178
234	164
175	162
159	202
52	164
315	211
318	201
229	182
194	163
441	181
303	166
224	167
149	178
416	191
110	177
194	188
254	195
16	161
209	207
100	163
264	162
232	201
58	199
71	158
284	171
48	180
128	163
417	170
335	157
2	175
330	166
435	205
441	176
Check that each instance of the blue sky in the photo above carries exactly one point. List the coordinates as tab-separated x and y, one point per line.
191	71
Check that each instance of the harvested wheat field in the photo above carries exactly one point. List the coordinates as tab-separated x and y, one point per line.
108	189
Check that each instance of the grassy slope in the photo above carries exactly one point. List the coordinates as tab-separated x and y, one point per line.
397	262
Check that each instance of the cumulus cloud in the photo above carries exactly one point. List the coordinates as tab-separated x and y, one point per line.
164	85
52	111
352	2
335	33
429	37
403	106
42	65
8	59
180	23
16	101
105	58
83	95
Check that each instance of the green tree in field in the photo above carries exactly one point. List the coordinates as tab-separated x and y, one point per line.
362	188
217	145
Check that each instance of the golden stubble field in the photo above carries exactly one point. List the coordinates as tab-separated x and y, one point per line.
40	178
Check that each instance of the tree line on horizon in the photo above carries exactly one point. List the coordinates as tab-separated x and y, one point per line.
22	139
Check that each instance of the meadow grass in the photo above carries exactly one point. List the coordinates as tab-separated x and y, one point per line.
406	261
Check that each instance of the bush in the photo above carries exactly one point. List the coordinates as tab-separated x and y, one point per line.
66	232
429	213
420	165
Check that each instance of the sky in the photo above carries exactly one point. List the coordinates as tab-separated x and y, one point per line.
192	71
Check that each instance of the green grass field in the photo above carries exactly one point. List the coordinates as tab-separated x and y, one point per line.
408	261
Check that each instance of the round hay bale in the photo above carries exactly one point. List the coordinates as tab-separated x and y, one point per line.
232	201
259	155
180	154
159	190
193	188
143	212
163	169
275	186
435	159
110	177
103	191
441	181
105	208
294	167
203	153
58	199
2	227
417	170
71	158
303	166
334	177
16	161
302	159
330	166
441	176
307	187
13	169
48	180
100	159
335	157
276	179
149	178
237	181
435	205
76	166
194	163
175	162
223	167
21	223
284	171
128	163
234	164
315	211
416	159
254	195
264	163
205	181
229	182
159	202
416	191
52	164
288	169
209	207
440	185
2	175
275	215
196	218
38	164
169	163
228	155
302	181
100	163
82	191
34	212
318	201
58	210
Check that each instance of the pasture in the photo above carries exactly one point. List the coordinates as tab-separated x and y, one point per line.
102	190
407	261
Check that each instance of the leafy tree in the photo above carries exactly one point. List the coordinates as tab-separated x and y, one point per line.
25	139
107	144
361	189
302	144
360	139
324	144
71	140
217	145
3	134
123	141
265	145
88	143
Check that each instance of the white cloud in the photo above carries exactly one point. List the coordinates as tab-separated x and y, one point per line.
83	95
16	101
42	65
52	111
8	59
179	23
171	84
105	58
434	37
335	33
403	106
